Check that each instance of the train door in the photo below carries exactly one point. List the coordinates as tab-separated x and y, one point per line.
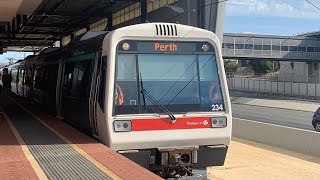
76	91
94	94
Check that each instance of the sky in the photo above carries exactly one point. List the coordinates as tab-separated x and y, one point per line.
275	17
15	55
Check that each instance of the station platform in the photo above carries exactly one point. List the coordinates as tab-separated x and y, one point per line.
34	145
253	160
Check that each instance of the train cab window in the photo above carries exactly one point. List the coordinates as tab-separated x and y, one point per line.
126	88
210	90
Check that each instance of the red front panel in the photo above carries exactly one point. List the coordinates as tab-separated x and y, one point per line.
166	124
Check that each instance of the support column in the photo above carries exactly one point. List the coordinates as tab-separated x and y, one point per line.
200	13
217	10
18	22
1	48
109	25
286	71
13	27
143	9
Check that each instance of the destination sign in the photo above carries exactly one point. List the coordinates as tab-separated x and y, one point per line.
164	46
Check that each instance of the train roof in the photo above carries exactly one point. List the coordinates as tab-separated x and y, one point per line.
89	42
86	43
48	50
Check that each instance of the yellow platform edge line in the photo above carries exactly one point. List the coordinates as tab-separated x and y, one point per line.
36	167
75	147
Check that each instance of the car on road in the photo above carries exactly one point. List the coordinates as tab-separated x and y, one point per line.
316	120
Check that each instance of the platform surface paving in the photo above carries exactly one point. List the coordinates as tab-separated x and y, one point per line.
29	137
56	158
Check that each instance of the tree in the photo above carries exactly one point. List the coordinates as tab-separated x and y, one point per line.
230	66
261	66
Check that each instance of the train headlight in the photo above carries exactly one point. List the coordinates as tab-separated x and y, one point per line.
205	47
218	122
126	46
122	126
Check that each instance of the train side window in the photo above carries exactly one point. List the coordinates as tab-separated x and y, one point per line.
28	77
67	81
102	74
40	78
81	80
51	77
76	80
14	73
22	76
18	75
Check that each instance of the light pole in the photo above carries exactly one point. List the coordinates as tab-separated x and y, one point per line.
189	15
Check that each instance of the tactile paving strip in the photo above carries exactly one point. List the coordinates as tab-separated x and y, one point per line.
57	158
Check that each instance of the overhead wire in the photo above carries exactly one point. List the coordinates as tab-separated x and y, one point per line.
312	4
210	4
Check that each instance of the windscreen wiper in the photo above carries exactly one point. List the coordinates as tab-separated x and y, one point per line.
154	101
144	99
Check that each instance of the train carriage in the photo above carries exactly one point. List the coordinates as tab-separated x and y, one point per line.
154	92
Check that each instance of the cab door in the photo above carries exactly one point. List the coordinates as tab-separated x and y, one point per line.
98	100
94	94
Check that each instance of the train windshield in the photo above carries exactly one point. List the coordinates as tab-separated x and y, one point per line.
181	82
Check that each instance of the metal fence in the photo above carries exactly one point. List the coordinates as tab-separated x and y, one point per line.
278	77
297	78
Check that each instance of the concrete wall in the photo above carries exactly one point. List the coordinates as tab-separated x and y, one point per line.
286	71
299	72
276	87
298	140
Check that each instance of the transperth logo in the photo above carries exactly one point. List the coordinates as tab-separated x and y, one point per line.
205	122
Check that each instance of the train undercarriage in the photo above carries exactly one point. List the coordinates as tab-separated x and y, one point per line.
179	162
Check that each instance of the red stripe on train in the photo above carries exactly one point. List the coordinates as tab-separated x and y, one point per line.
166	124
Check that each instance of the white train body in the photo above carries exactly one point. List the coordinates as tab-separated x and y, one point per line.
156	93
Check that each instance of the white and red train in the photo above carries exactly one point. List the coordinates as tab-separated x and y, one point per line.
155	92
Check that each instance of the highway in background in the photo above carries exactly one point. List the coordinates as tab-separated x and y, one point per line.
284	117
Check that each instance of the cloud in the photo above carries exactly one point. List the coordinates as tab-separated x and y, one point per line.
274	8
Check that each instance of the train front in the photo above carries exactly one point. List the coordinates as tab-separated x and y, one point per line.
169	109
